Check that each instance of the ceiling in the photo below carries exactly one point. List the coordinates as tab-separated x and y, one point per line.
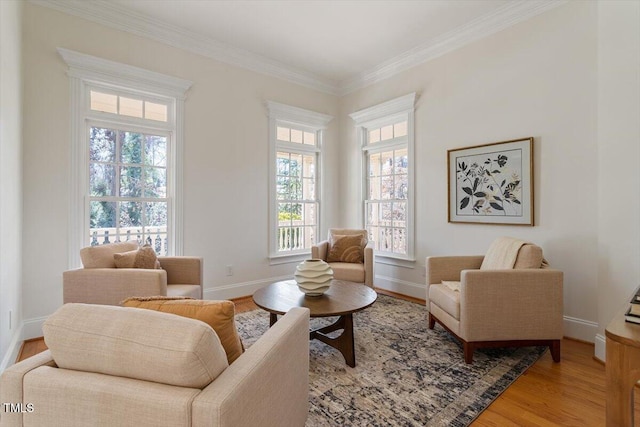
335	46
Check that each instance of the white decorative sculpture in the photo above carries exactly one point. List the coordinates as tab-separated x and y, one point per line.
313	277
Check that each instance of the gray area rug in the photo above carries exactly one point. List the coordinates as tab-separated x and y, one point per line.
405	374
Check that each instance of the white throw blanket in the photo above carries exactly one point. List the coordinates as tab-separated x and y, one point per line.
502	254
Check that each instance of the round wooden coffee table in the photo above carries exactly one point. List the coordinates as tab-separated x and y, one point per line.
342	299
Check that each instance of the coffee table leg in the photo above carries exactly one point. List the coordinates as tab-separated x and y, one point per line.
348	349
344	343
273	318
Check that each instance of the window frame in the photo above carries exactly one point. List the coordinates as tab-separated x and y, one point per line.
169	168
88	72
307	121
378	116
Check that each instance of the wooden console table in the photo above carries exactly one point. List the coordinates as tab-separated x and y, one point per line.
623	370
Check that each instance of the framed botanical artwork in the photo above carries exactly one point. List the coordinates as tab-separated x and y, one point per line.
492	183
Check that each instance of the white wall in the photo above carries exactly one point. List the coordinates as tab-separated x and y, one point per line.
10	180
225	156
539	79
618	155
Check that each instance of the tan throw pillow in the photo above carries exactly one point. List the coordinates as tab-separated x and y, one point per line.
220	315
101	256
144	257
125	259
347	249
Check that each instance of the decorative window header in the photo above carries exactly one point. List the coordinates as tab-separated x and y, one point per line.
93	69
282	112
386	112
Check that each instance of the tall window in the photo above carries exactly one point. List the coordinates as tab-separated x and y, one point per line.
128	176
126	152
296	137
386	135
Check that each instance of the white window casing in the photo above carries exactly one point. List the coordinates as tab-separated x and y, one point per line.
383	131
88	73
294	133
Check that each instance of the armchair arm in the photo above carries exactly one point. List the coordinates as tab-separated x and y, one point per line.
320	250
368	264
441	268
511	304
183	270
111	285
268	385
12	384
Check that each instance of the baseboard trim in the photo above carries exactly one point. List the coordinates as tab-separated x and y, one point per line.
242	289
11	355
600	352
580	329
32	328
398	286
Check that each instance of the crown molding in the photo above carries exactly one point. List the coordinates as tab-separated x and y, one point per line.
501	18
121	18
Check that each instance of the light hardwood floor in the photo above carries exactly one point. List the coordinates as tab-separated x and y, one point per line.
569	393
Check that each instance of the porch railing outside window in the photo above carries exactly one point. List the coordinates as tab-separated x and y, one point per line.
155	237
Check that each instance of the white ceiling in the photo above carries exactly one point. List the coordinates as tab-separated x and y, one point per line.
335	46
332	39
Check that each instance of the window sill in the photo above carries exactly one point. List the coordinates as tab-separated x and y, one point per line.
277	259
395	260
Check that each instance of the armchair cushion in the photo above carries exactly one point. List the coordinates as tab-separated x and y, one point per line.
101	256
134	343
220	315
348	271
191	291
143	257
347	249
446	298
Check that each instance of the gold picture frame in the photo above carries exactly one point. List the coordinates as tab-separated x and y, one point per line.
491	183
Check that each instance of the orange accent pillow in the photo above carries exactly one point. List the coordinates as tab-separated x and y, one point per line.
220	315
345	248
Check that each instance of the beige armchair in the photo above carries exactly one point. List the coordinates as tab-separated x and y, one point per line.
512	306
120	366
100	282
349	271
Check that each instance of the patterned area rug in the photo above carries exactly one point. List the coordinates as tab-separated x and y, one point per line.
405	374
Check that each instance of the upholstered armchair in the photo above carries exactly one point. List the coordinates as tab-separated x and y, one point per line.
507	298
101	282
341	255
121	366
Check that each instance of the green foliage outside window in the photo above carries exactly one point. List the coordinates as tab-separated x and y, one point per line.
141	164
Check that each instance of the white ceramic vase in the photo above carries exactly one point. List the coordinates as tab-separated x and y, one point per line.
313	277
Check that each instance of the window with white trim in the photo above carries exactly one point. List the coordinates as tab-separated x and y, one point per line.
126	155
295	138
386	135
